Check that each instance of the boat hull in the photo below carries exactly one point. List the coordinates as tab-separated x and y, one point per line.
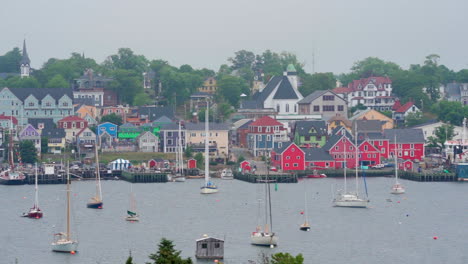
11	182
208	190
179	179
398	189
304	228
316	176
36	214
264	239
94	205
132	218
351	203
65	246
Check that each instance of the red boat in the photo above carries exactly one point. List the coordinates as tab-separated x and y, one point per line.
315	174
35	211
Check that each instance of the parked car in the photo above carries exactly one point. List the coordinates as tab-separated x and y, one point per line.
378	166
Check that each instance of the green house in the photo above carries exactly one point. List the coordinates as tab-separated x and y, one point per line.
129	131
310	133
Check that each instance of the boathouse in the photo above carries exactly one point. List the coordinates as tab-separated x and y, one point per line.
209	248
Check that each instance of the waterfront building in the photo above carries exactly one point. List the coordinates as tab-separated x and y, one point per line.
263	134
342	149
369	154
86	142
168	136
24	103
55	139
218	138
287	156
310	133
318	159
325	103
147	142
409	143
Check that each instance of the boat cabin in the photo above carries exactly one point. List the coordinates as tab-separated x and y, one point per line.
209	248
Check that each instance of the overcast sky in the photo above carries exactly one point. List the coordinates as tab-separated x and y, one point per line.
205	33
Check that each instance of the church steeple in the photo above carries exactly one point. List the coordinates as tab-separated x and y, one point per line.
25	62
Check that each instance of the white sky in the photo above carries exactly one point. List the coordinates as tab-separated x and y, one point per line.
205	33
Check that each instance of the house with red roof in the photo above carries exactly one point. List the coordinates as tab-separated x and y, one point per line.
263	134
372	92
288	157
402	111
72	125
8	121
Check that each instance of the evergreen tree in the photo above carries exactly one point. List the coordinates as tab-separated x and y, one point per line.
28	152
167	254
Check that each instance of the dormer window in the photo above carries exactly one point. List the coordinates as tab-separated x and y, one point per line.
47	104
31	104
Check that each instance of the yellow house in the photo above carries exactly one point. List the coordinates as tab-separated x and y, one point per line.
337	121
209	86
371	114
218	138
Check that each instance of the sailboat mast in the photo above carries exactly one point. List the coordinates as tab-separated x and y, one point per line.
36	204
98	177
396	161
345	165
206	143
357	158
68	202
269	196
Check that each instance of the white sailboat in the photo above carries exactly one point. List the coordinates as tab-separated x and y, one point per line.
265	236
96	201
208	187
131	213
397	188
35	211
179	169
305	226
64	241
350	199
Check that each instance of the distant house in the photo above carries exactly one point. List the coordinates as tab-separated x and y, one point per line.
372	92
152	113
168	136
128	131
55	139
338	121
30	133
8	121
96	87
378	140
263	134
86	141
72	125
457	92
242	133
368	153
147	142
317	159
209	86
288	157
310	133
409	144
119	110
218	138
403	111
342	149
371	114
109	128
325	103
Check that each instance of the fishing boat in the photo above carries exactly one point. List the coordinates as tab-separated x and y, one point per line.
397	188
131	213
209	187
264	236
11	176
316	175
179	169
35	211
96	201
350	199
226	174
63	241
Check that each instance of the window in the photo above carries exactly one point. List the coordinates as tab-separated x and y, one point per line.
65	125
216	245
380	143
298	157
65	104
169	142
268	137
365	148
293	149
328	108
328	98
412	146
368	155
193	134
267	129
169	134
412	154
296	165
341	108
316	108
31	104
383	151
259	137
374	155
295	108
278	108
327	164
287	108
288	157
204	245
336	147
360	156
351	148
259	129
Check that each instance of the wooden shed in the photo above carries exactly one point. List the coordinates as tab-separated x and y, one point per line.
209	248
192	163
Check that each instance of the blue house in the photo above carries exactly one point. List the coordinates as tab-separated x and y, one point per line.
108	127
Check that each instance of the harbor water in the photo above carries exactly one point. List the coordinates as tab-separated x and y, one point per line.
428	224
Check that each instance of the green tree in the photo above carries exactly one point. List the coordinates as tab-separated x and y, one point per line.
317	81
112	118
167	254
230	88
387	113
44	144
10	62
57	82
242	59
358	107
188	152
125	59
442	134
224	111
18	82
200	160
413	119
28	152
129	260
286	258
127	84
141	99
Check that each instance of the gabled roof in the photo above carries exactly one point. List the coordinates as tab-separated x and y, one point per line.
127	125
251	104
266	121
84	101
72	119
311	97
155	112
271	85
331	142
201	126
40	93
367	125
453	90
12	118
396	105
48	122
340	118
107	123
284	146
358	85
53	133
285	90
342	90
171	126
302	128
163	119
406	135
339	131
404	107
316	154
144	134
83	129
371	136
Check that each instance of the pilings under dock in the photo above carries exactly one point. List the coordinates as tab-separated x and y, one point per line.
258	178
143	177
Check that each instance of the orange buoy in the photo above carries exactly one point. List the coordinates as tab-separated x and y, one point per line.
435	237
72	252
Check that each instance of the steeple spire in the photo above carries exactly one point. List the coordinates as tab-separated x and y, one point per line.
25	62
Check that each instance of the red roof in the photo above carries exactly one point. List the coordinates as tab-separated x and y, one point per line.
342	90
358	85
72	119
266	121
405	107
396	105
5	117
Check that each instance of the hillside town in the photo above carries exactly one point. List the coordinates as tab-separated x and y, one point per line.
363	123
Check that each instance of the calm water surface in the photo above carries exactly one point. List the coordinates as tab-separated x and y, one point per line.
400	231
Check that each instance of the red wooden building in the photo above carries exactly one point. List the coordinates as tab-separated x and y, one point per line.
318	159
342	150
406	165
409	144
192	163
245	166
72	122
368	154
288	157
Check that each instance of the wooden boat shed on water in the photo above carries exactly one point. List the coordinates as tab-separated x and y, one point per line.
209	248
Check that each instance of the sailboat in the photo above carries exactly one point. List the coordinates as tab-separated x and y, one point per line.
397	188
179	170
305	226
349	199
265	237
11	176
96	201
35	211
208	187
131	214
64	241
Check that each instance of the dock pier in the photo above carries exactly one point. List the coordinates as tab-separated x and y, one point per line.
260	178
143	177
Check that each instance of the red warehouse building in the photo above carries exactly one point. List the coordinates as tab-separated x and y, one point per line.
288	157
